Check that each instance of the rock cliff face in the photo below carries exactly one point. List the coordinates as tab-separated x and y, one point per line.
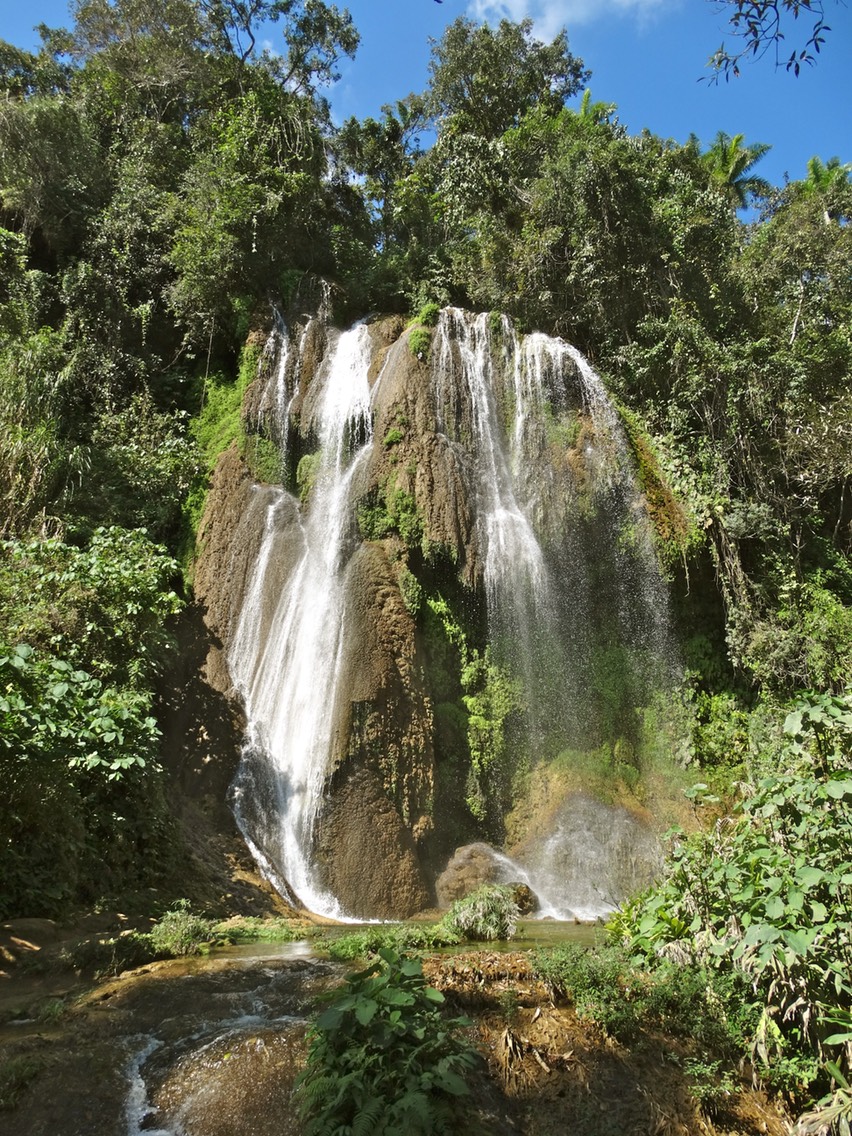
393	613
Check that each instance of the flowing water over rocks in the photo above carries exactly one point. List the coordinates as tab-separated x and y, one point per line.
200	1047
454	583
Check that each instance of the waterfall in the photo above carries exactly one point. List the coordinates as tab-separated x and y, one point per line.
518	587
288	676
563	549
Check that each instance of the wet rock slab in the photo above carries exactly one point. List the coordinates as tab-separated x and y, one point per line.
184	1048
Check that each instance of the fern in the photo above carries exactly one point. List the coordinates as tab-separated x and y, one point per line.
368	1120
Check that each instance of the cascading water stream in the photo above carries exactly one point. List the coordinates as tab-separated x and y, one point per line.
515	572
519	592
288	677
522	393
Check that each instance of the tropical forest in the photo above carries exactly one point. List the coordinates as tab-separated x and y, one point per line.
425	596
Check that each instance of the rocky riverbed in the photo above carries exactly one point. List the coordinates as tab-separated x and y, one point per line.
210	1047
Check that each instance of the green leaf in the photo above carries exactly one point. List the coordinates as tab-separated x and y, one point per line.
775	908
810	877
329	1019
839	789
799	941
396	997
365	1011
452	1083
793	723
795	900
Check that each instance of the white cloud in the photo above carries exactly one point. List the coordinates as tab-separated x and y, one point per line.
549	16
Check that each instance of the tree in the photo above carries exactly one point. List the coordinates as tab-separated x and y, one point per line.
138	57
250	207
486	80
729	162
49	164
759	24
23	74
828	181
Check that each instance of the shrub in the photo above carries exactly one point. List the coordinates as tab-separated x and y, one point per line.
609	988
602	985
420	340
179	932
401	937
82	788
490	912
767	894
383	1060
711	1086
105	608
428	314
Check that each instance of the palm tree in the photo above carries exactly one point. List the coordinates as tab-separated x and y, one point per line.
595	113
729	161
822	179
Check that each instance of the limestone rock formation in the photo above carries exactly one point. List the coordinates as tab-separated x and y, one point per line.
453	581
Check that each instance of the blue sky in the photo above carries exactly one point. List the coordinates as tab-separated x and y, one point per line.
647	56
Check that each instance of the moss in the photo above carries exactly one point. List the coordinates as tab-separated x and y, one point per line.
306	473
402	509
263	458
412	592
390	509
677	535
218	426
563	430
374	522
487	698
393	437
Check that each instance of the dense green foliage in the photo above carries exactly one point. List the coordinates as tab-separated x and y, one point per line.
384	1059
159	176
83	803
767	896
607	988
